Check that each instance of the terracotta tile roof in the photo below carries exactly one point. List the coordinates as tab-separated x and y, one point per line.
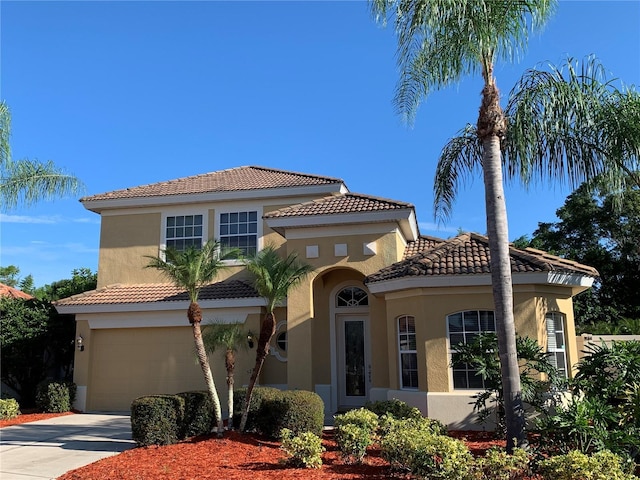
468	254
424	242
158	292
234	179
7	291
337	204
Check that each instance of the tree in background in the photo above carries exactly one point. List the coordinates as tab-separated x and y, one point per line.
82	280
230	337
600	229
37	343
439	42
25	182
192	269
274	278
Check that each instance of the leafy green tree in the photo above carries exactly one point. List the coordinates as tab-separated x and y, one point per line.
230	337
439	42
9	275
600	229
82	280
192	269
274	278
35	343
25	182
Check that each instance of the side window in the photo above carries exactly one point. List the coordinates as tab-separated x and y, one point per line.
463	328
408	354
183	231
240	230
555	325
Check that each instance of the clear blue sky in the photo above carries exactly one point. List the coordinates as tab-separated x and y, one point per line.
129	93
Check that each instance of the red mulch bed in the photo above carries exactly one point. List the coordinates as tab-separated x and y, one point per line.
236	457
30	417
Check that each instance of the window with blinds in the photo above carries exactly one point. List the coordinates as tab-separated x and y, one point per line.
556	341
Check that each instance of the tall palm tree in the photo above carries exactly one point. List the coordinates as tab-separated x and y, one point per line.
229	336
25	182
274	278
192	269
439	42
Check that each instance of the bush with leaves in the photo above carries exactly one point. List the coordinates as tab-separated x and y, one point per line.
355	431
55	397
497	464
603	465
304	450
604	413
481	355
411	446
394	408
9	408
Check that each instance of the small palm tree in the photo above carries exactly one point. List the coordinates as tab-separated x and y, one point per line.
24	182
229	336
192	269
274	278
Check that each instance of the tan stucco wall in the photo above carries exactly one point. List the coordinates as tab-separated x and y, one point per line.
124	242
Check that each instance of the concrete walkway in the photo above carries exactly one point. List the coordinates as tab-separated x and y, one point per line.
49	448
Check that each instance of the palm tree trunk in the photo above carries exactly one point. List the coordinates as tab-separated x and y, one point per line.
206	370
267	331
502	291
230	364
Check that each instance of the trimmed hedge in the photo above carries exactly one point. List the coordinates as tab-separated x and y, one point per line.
271	410
54	396
199	418
157	419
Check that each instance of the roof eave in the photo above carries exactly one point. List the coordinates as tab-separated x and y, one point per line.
99	205
576	281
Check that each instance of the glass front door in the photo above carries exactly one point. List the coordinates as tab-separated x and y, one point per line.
353	363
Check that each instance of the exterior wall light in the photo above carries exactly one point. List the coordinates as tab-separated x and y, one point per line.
80	343
250	340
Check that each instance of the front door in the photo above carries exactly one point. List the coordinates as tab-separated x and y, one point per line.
354	364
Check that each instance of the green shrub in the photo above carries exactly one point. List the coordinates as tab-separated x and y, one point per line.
424	454
199	418
393	408
499	465
353	441
260	394
9	409
422	424
54	396
157	419
271	410
575	465
361	417
305	450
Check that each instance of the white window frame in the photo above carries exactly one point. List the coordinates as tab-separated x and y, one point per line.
182	213
464	333
551	322
240	209
406	351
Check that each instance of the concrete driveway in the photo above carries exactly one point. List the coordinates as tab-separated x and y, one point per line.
49	448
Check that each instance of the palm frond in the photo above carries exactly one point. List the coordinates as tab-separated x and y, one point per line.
5	133
229	336
459	161
440	41
274	276
571	123
25	182
193	267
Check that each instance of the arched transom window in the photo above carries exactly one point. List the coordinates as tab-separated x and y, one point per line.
352	297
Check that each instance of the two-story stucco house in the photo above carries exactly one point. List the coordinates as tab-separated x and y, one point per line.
376	319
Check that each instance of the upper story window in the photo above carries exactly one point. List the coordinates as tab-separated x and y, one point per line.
407	348
555	325
352	297
240	230
464	327
184	231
